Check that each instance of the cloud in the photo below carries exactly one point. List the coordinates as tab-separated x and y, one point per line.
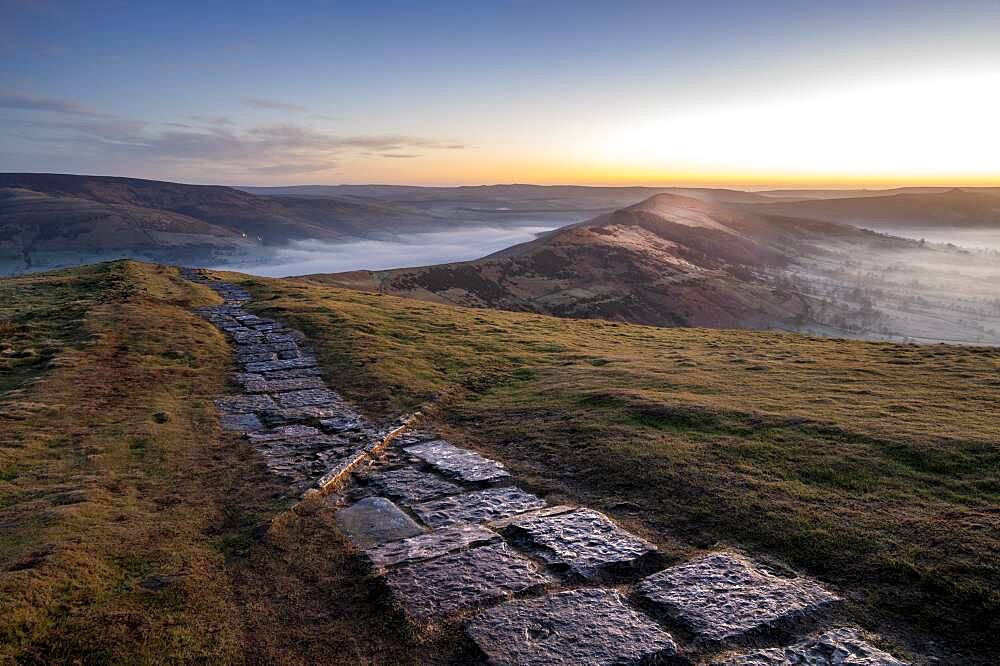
271	105
25	102
212	120
215	145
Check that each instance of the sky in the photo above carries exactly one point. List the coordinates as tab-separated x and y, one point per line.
711	93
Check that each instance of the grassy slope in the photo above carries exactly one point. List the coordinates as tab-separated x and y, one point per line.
873	466
114	479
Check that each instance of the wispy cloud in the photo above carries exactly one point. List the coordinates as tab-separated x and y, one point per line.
212	120
271	105
268	149
26	102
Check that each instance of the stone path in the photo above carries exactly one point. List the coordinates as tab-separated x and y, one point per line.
456	540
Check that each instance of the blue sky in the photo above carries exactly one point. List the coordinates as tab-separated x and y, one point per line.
707	92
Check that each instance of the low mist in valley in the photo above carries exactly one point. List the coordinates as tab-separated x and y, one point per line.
313	256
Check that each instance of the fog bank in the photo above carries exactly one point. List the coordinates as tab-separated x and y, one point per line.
306	257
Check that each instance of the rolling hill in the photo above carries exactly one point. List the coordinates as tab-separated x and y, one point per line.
669	261
55	220
976	208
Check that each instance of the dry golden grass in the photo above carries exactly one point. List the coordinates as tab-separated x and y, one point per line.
873	466
131	529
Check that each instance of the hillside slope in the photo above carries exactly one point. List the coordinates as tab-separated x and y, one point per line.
954	208
56	219
669	260
870	465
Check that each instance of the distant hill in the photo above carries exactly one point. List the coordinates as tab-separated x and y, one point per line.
977	208
51	220
669	260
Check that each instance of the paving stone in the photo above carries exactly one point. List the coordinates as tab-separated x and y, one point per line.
587	626
286	364
293	373
284	415
465	465
724	597
375	520
434	588
254	357
281	385
244	404
342	423
244	377
410	485
584	544
320	396
240	422
285	432
249	337
832	648
476	507
432	544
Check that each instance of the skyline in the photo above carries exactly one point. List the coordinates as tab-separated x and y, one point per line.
874	94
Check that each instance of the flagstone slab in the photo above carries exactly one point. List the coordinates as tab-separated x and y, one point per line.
312	371
462	464
307	397
375	520
476	507
724	597
584	544
437	587
240	422
283	385
244	404
836	647
586	626
285	432
285	364
431	544
342	423
410	485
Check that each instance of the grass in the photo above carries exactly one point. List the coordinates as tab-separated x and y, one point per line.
131	529
872	466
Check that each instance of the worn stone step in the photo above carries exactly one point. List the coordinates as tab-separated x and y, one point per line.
836	647
584	544
726	598
476	507
375	520
434	588
587	626
462	464
430	545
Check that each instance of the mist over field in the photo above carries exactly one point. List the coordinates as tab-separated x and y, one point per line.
313	256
